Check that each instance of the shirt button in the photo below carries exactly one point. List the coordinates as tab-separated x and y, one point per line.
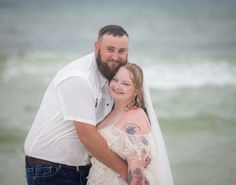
107	104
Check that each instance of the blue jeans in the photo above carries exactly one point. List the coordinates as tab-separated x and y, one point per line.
54	175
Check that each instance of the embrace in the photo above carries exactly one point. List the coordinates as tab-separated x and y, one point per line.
96	124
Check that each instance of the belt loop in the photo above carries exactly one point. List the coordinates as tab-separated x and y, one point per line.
77	168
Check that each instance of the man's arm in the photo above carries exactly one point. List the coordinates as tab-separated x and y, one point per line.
77	99
97	146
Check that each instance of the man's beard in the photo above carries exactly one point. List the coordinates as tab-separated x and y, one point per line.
104	68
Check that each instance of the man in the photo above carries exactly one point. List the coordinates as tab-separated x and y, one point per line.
64	131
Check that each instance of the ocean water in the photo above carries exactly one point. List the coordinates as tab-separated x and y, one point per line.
186	48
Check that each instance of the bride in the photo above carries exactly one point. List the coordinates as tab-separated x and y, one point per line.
132	131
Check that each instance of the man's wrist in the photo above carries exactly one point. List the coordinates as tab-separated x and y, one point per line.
124	176
124	173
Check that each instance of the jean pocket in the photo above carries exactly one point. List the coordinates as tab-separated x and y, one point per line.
29	171
43	172
29	175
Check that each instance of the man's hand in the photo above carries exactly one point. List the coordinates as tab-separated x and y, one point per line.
147	162
146	181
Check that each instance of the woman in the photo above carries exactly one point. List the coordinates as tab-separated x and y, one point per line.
128	132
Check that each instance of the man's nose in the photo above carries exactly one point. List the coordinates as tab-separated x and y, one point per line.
115	56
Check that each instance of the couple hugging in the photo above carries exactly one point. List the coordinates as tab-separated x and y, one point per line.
96	124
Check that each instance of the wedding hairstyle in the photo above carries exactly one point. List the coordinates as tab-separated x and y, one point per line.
113	30
136	75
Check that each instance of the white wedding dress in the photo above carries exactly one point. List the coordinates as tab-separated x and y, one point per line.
123	144
158	172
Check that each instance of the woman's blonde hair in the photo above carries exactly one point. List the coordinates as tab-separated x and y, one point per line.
136	75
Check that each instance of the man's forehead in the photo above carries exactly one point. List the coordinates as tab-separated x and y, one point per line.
111	37
115	41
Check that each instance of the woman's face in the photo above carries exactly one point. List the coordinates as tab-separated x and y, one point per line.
121	86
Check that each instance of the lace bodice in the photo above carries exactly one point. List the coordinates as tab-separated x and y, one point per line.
124	145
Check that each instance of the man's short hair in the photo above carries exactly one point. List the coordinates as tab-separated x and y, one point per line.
113	30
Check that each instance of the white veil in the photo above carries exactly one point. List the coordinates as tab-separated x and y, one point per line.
159	167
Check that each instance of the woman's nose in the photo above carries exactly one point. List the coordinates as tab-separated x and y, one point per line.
118	86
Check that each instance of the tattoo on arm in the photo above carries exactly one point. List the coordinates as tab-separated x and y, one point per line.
145	141
139	178
130	176
131	128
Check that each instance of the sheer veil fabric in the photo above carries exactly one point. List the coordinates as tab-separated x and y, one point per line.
159	166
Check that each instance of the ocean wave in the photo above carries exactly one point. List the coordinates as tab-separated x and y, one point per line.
167	73
43	64
190	75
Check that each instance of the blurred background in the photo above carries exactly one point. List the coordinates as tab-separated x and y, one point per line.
187	49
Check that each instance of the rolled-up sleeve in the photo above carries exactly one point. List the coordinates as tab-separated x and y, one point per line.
77	100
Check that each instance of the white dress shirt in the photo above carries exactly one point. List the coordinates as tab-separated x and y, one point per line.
78	92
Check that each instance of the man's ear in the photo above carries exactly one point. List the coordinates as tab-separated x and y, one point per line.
96	48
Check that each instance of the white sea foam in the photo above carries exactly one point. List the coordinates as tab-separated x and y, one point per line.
190	75
164	74
38	64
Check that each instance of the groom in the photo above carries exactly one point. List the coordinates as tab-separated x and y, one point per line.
63	134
